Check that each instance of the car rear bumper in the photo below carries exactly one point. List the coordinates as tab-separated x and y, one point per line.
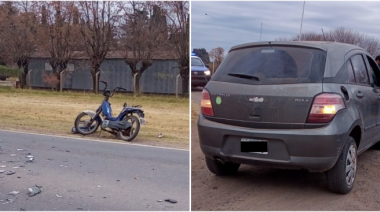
315	150
199	80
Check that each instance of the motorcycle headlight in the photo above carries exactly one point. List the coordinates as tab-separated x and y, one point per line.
207	72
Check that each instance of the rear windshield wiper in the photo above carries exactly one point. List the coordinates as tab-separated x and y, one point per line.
245	76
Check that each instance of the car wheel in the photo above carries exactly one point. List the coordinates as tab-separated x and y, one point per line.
341	177
220	169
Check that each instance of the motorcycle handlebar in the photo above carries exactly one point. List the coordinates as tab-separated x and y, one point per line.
117	88
113	90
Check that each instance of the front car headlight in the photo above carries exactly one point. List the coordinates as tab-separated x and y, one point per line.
207	72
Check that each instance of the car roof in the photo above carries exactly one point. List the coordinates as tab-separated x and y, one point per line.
336	52
323	45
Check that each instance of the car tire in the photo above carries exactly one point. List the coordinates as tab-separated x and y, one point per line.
220	169
341	177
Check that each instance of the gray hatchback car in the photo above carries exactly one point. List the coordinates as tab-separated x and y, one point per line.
294	105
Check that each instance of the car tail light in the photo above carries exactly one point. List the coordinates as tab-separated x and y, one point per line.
206	106
324	108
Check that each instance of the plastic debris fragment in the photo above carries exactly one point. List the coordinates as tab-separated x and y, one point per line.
14	193
58	196
34	190
171	200
9	172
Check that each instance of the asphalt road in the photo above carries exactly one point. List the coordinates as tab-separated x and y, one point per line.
258	188
77	174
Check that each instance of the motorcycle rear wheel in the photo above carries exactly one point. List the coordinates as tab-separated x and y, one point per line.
131	133
81	123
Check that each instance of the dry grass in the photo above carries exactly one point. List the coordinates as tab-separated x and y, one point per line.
195	111
54	113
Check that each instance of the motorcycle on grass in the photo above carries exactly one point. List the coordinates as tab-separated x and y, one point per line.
126	125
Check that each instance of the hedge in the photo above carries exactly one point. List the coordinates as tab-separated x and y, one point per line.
10	72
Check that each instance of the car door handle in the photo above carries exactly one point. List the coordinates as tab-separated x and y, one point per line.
359	94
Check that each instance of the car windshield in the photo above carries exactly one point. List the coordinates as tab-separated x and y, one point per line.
196	62
272	65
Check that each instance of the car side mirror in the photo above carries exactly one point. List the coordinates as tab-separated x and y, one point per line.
207	66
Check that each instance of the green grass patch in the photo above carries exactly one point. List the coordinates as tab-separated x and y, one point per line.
54	112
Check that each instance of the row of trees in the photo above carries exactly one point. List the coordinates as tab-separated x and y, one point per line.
64	29
341	35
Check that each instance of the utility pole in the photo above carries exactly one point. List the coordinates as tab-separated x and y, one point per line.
299	37
213	61
324	38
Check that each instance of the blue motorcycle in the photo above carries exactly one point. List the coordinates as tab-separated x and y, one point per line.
126	125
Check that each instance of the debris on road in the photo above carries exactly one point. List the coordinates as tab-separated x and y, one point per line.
35	190
99	186
2	171
9	172
58	196
3	166
136	178
14	193
8	201
160	200
160	135
13	155
171	200
20	150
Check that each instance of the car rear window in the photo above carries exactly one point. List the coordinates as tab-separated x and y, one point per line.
272	65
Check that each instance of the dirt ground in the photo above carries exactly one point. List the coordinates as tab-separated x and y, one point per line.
260	188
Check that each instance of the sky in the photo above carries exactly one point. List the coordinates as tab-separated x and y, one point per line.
230	23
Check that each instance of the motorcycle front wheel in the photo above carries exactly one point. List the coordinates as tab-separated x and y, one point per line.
130	133
83	126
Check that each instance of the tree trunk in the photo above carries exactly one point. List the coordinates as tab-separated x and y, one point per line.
137	84
95	69
185	85
58	86
23	63
185	80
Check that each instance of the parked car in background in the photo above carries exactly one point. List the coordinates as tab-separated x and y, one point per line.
200	74
294	105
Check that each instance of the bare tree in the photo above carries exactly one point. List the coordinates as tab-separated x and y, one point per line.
58	34
141	35
179	22
344	35
17	32
97	28
217	55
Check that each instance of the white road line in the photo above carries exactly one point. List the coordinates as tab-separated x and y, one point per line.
97	140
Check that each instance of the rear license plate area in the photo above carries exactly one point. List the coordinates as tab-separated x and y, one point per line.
254	146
